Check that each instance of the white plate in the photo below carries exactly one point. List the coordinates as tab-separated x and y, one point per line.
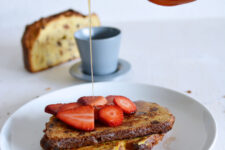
194	127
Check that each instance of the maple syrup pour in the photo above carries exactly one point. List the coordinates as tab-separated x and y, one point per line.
90	40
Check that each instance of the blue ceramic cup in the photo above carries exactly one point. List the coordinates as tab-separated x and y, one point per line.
105	49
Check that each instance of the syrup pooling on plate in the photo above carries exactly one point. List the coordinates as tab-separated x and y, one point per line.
90	39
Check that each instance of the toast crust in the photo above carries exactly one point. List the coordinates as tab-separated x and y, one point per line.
149	119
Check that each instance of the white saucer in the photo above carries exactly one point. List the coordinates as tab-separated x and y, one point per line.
123	67
194	128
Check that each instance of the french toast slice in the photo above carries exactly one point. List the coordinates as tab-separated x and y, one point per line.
139	143
149	119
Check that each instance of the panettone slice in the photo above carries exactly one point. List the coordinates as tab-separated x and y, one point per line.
50	41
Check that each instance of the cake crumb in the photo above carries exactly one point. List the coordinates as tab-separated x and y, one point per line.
47	89
189	91
66	26
8	113
224	96
61	52
168	142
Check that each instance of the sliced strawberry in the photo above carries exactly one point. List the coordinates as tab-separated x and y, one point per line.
53	108
125	104
97	109
110	99
69	106
111	115
81	118
92	100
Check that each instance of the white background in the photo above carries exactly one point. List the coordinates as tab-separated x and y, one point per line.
20	12
15	14
182	48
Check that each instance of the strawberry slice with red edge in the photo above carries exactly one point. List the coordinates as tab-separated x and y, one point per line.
111	115
53	108
81	118
97	109
125	104
92	100
69	106
110	99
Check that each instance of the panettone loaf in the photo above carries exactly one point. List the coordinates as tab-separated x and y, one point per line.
50	41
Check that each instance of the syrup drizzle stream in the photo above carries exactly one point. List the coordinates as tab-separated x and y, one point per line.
90	40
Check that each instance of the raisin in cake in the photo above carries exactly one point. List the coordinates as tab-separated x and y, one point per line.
50	41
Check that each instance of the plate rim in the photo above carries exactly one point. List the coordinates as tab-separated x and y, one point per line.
192	98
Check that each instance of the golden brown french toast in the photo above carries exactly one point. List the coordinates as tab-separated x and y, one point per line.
139	143
149	119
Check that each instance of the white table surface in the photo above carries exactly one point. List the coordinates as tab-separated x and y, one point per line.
181	55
